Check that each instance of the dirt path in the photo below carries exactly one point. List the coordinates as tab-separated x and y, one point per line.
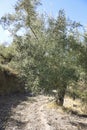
29	115
33	114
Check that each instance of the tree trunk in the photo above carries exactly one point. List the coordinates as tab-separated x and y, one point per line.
60	95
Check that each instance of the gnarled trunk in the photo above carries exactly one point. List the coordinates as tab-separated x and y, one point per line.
60	95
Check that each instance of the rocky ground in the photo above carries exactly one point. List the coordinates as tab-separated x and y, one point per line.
22	112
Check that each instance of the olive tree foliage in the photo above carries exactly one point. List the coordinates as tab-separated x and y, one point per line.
45	54
61	59
24	17
82	61
26	29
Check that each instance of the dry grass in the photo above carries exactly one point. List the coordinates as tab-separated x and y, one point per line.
8	69
70	105
75	105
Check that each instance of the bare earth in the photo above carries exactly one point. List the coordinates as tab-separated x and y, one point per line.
20	112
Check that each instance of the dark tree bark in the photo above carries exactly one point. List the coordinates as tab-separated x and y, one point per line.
61	94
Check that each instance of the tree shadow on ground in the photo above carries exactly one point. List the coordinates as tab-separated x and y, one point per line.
6	105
